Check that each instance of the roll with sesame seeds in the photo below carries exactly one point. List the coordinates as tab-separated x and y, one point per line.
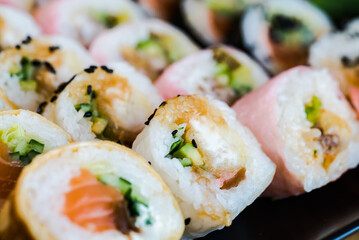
84	20
148	45
306	126
108	102
31	71
93	190
213	165
279	33
15	25
23	136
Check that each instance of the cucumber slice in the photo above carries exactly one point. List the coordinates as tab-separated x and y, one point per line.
186	162
28	85
190	152
22	147
83	106
312	110
36	146
241	81
138	197
99	125
120	184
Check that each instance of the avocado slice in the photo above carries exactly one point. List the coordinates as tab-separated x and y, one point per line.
190	152
241	80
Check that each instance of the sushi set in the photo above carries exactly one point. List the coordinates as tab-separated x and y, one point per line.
170	119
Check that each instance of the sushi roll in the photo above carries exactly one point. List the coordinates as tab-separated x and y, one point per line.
163	9
213	165
339	53
32	70
306	126
5	103
279	33
148	45
25	5
353	27
108	102
93	190
23	136
222	72
212	20
15	26
83	20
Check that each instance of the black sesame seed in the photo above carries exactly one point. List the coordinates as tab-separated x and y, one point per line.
63	85
88	114
36	63
119	141
194	143
149	163
53	48
27	40
18	47
163	103
150	117
346	61
187	221
174	132
94	94
40	109
106	69
90	70
53	99
50	67
93	67
89	89
178	95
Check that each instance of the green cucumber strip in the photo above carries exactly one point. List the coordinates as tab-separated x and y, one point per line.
176	145
138	197
124	186
28	85
22	147
36	146
186	162
312	110
83	106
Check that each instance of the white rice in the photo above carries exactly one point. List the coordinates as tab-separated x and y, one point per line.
17	25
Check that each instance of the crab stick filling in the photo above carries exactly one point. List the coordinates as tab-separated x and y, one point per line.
188	148
100	202
231	78
153	54
289	39
330	131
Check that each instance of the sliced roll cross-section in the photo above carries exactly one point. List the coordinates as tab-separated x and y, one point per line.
32	70
23	136
93	190
279	33
222	72
213	165
306	126
109	102
148	45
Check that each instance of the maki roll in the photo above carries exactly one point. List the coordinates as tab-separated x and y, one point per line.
212	20
149	45
279	33
23	136
32	70
83	20
213	165
93	190
108	102
159	8
306	126
222	72
15	26
339	53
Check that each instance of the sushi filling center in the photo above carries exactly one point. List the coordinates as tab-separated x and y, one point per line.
153	54
17	146
334	131
231	76
188	154
34	75
110	20
101	202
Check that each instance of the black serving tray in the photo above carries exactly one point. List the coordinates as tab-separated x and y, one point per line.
331	212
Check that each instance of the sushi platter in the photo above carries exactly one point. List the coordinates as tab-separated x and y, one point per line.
179	119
